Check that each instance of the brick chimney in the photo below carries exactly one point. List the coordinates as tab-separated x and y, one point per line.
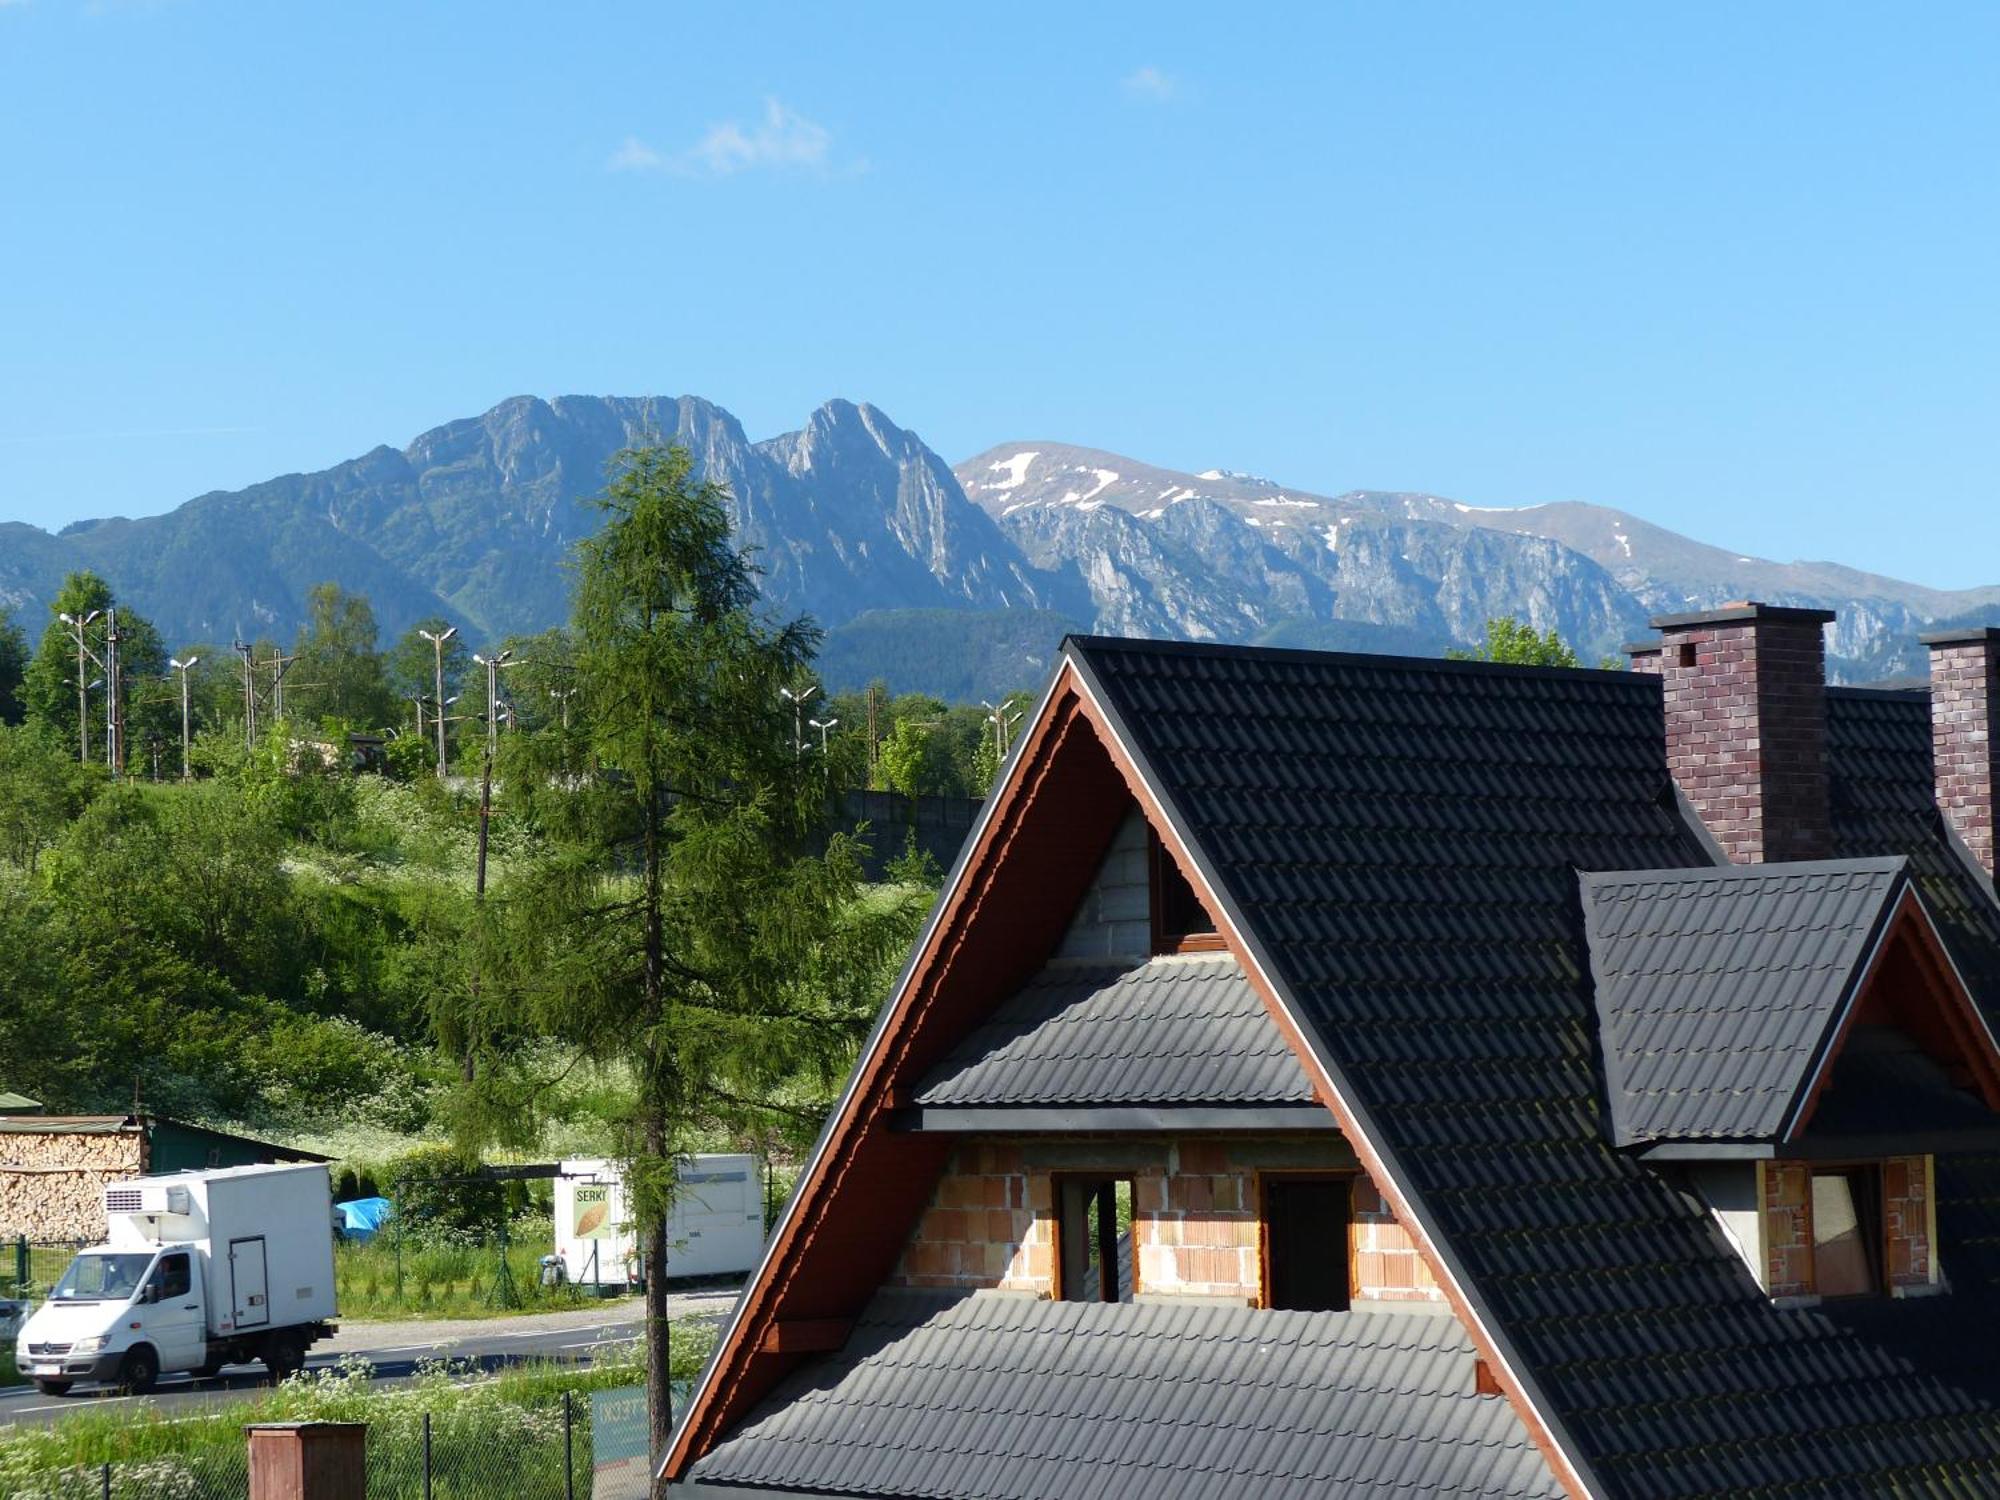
1745	691
1965	748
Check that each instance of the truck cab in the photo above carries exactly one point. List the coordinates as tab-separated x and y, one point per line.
120	1316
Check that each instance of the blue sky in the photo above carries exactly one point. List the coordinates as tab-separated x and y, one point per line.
1731	268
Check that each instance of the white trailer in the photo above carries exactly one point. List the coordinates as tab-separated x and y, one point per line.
197	1270
716	1227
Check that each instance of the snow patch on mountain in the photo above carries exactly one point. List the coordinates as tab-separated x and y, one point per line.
1015	468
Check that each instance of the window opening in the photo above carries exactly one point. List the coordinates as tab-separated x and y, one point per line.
1094	1238
1306	1235
1180	923
1847	1232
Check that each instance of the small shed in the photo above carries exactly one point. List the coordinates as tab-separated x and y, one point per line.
54	1168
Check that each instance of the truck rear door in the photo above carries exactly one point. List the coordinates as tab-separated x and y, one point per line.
249	1282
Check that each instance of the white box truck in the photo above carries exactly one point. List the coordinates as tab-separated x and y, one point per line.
197	1270
716	1227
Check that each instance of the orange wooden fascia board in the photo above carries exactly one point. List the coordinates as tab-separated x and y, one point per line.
868	1100
1508	1379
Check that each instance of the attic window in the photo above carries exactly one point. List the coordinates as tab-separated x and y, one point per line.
1180	923
1847	1231
1093	1216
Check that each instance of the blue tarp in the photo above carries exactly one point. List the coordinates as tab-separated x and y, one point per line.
363	1216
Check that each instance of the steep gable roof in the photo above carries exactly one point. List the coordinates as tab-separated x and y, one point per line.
1398	844
1390	848
1717	990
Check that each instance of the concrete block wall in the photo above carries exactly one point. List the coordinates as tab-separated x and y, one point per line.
1196	1227
1115	919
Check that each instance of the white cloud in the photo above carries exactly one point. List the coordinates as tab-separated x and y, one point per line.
1151	84
634	156
782	140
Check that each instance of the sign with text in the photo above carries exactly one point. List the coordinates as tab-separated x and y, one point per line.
621	1461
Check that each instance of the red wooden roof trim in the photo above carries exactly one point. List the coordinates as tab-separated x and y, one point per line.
1910	930
1512	1383
866	1100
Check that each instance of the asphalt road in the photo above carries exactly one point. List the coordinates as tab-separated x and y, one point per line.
394	1350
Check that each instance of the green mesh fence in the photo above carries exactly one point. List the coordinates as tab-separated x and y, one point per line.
479	1450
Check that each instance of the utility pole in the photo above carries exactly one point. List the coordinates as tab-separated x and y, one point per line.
83	656
114	716
249	696
183	667
872	734
493	664
279	664
437	647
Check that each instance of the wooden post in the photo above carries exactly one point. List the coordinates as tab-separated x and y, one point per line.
308	1461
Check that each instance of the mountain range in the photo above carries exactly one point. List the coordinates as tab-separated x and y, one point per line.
959	580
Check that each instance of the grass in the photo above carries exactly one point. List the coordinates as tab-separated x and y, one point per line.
491	1437
435	1276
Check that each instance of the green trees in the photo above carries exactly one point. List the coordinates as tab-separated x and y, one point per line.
674	926
338	672
13	662
49	682
1515	642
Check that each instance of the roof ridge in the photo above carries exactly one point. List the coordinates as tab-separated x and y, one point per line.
1385	661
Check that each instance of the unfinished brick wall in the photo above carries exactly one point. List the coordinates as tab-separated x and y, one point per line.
1745	692
52	1183
1965	747
1387	1265
989	1224
1194	1225
1196	1218
1906	1220
1787	1204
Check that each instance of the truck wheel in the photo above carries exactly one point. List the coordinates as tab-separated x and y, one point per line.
53	1387
141	1370
284	1355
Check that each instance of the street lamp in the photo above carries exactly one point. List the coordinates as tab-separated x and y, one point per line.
183	668
437	645
822	725
798	702
493	664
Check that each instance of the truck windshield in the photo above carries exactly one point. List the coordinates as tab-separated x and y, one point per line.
101	1278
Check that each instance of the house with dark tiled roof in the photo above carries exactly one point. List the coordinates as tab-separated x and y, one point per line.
1347	1075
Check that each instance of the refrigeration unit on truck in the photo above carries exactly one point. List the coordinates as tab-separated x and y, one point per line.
197	1270
715	1228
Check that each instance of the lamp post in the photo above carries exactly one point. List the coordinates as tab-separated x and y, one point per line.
437	646
183	668
562	696
493	664
798	702
83	654
822	725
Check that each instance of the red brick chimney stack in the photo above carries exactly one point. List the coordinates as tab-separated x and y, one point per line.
1965	741
1745	691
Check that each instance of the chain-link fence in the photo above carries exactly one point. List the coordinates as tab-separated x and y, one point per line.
477	1450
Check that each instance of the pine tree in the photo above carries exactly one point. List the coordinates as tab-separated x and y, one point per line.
678	928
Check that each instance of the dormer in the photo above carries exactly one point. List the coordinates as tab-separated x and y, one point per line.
1794	1043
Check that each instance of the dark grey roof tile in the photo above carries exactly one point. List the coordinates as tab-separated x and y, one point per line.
1177	1030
